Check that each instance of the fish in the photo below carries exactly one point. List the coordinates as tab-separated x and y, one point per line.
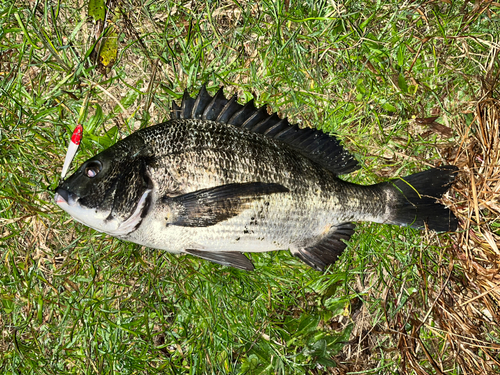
221	179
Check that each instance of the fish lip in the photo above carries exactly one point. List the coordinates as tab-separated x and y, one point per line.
64	196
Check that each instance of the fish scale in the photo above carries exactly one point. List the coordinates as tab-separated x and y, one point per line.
221	178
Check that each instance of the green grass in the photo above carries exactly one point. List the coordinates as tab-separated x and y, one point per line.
76	301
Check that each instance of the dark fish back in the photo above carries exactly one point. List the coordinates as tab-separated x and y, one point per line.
317	146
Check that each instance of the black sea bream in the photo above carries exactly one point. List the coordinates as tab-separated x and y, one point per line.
221	178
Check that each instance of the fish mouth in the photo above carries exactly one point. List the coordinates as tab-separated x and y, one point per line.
64	196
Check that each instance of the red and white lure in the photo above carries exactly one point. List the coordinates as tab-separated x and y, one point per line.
76	138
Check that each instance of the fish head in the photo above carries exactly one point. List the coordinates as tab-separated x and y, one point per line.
110	192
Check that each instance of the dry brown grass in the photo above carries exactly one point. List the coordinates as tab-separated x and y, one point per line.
463	309
475	312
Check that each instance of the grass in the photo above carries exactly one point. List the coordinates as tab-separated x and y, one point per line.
398	301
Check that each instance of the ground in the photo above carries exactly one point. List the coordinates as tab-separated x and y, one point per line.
405	86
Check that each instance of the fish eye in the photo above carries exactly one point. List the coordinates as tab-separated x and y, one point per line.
92	169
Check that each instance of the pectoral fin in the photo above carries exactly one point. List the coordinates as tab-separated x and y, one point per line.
206	207
225	258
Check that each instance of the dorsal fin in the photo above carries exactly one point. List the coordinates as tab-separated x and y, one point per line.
320	147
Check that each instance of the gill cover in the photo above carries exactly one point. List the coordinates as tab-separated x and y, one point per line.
111	191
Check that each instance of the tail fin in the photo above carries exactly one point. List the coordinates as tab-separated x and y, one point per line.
415	200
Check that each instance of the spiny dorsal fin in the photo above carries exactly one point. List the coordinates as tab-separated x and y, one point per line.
320	147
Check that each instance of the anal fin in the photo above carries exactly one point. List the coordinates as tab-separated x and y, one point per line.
226	258
328	249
